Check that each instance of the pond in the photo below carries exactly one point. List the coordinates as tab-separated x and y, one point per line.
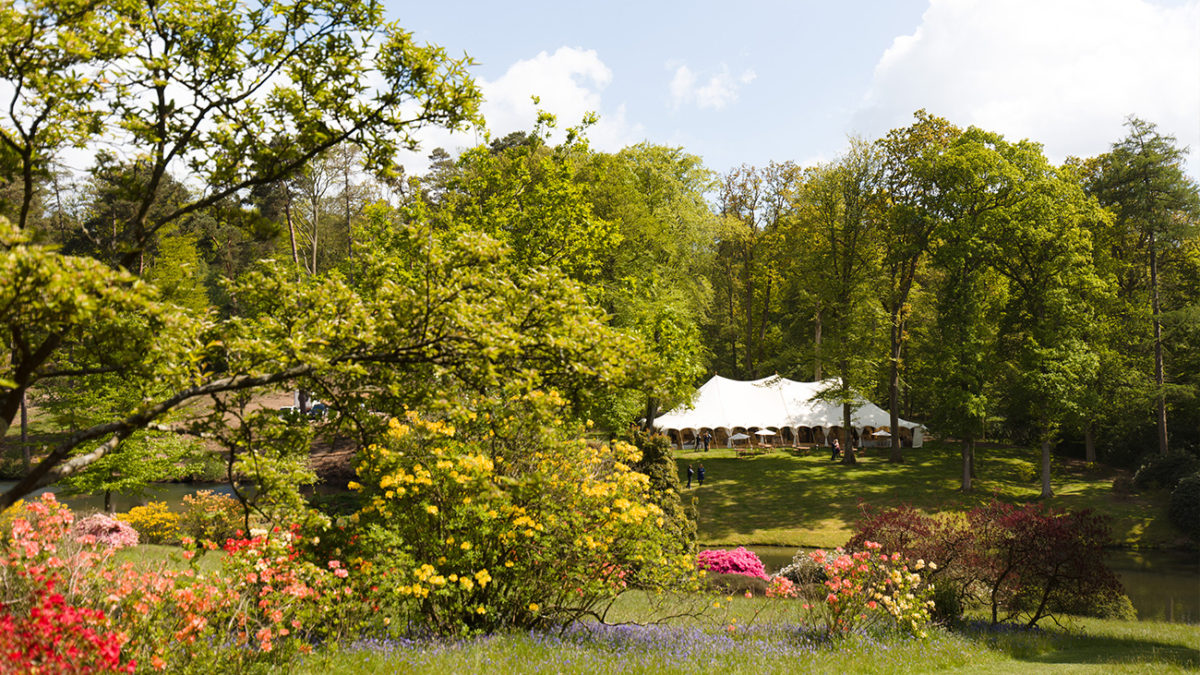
171	493
1162	585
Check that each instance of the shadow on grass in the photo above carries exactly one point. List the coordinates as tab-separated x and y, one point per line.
1086	649
1083	649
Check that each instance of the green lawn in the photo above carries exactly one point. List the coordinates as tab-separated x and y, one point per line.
782	499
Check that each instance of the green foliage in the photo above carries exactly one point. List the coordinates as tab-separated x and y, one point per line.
1184	509
178	272
1118	607
527	195
948	604
237	76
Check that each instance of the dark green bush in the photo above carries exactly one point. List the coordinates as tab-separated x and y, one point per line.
947	604
1184	510
335	503
1118	607
1122	485
1165	471
735	584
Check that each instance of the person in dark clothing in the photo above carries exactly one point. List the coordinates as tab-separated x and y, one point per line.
700	474
691	472
837	450
707	439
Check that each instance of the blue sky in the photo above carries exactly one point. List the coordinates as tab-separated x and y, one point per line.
755	81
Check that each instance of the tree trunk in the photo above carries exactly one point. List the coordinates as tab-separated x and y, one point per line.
733	349
847	436
749	364
972	459
25	454
817	345
287	214
316	215
896	456
1089	443
1159	379
762	327
108	507
651	409
966	465
1046	491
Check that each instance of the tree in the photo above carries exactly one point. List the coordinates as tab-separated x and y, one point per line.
656	282
910	155
192	87
970	187
1157	208
846	211
755	203
528	196
1043	248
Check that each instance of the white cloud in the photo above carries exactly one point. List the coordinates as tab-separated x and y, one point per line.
718	91
1065	73
568	84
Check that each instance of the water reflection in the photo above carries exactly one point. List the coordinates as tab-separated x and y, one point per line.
1162	585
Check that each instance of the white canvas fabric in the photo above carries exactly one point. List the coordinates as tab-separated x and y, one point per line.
771	402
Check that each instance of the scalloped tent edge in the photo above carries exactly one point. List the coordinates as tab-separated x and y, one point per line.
773	403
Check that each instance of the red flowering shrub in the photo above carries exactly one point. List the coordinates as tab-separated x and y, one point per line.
1033	562
67	608
737	561
58	638
46	583
1021	562
105	530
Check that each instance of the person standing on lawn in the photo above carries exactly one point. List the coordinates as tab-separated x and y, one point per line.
700	475
691	472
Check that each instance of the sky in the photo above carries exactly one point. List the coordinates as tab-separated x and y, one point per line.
755	81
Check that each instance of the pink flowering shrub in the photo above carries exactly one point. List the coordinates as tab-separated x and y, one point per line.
105	530
737	561
781	587
870	588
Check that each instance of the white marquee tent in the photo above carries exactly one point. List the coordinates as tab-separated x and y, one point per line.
772	403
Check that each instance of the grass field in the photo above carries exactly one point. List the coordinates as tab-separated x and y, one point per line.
785	499
766	638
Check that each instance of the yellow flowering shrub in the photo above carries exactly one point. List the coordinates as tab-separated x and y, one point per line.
154	522
511	524
208	515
